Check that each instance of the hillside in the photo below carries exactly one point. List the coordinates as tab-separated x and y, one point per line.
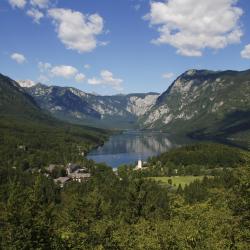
28	134
15	102
204	104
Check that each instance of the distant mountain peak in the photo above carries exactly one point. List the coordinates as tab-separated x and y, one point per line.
26	83
191	72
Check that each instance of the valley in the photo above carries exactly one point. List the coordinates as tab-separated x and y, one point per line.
201	104
58	190
125	125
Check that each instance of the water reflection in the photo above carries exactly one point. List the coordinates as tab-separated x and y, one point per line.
128	147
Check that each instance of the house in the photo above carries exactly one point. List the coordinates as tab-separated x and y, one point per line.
72	167
62	181
80	177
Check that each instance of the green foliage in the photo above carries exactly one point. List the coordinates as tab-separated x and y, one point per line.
208	154
196	160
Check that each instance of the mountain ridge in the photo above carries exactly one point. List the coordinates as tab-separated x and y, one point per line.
85	108
199	103
204	104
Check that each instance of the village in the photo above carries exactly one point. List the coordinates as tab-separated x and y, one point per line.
75	172
72	172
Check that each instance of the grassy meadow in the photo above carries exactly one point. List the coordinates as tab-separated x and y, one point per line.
177	180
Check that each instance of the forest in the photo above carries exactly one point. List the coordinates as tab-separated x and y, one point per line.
128	210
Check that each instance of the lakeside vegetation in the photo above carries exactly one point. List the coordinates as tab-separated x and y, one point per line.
127	210
28	144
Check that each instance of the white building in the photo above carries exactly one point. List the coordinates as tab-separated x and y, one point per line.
139	165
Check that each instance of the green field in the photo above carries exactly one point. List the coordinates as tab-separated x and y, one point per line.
176	180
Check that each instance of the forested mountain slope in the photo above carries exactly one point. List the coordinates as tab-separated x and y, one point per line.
205	104
23	125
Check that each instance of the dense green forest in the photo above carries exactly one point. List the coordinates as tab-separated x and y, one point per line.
126	210
29	144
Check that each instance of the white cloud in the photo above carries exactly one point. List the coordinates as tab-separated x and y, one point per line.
168	75
80	77
19	58
76	30
47	71
107	78
18	3
40	3
65	71
35	14
191	26
94	81
245	53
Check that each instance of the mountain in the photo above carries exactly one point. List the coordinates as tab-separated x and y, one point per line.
199	103
15	102
77	106
26	83
204	104
24	125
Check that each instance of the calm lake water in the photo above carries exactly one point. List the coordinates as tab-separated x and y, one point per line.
130	146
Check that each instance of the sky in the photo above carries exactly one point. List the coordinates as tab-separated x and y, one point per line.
121	46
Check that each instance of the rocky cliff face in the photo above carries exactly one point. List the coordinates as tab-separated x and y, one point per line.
203	101
77	106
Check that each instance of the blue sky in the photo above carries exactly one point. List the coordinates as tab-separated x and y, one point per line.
121	46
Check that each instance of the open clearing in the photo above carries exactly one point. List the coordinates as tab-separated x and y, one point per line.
176	180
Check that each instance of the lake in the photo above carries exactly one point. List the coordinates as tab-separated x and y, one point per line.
130	146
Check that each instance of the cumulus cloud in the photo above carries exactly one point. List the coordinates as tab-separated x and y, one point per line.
35	14
80	77
76	30
168	75
40	3
245	53
48	71
19	58
107	78
65	71
18	3
191	26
